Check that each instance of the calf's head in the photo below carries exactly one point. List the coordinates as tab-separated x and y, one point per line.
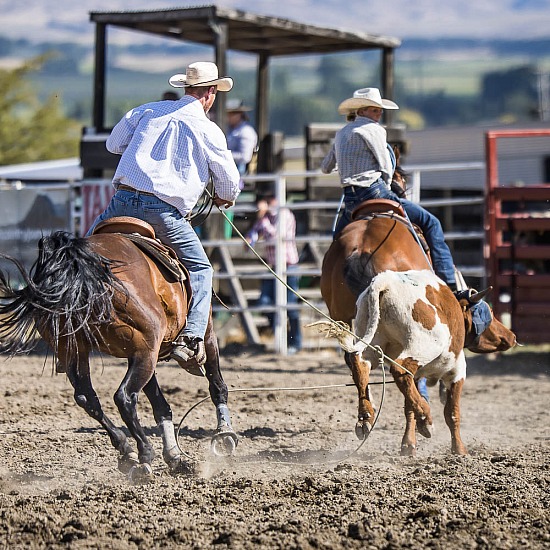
484	333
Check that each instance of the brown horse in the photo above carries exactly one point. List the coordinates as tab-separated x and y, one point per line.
362	250
105	293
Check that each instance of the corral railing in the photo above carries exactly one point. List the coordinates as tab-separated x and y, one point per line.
517	254
82	201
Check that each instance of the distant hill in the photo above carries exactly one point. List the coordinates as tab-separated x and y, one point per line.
424	67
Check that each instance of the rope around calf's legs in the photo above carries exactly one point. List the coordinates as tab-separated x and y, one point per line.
302	388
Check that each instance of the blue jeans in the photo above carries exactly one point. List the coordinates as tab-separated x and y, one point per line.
172	229
431	228
267	298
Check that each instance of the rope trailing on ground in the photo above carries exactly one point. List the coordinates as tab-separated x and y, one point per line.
303	388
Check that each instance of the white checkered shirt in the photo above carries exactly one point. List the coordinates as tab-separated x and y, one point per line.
360	149
171	149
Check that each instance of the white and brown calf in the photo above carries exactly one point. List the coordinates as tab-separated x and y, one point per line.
416	320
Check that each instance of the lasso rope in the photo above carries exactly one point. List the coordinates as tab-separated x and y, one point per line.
303	388
382	358
340	325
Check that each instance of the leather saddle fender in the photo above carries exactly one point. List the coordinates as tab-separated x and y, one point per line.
143	236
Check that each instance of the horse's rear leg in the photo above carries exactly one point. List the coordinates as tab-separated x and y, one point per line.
85	396
171	452
452	417
360	371
140	371
225	440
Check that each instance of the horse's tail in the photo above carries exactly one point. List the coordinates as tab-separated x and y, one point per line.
368	313
66	294
357	274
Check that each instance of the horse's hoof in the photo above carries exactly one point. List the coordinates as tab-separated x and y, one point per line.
127	462
424	428
179	466
408	450
141	473
362	429
224	443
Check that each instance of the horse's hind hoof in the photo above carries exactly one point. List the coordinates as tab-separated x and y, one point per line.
141	473
127	461
224	443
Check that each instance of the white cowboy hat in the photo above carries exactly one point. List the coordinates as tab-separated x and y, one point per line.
201	73
236	106
365	97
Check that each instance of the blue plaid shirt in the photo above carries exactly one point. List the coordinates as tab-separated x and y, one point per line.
171	149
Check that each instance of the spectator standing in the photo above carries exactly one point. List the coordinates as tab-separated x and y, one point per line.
271	219
242	139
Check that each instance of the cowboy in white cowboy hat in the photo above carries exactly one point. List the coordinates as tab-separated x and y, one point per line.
365	97
170	151
201	73
361	154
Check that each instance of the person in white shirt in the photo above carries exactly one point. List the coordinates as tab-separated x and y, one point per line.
242	139
170	150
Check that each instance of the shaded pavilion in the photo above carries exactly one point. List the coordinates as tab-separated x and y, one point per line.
228	29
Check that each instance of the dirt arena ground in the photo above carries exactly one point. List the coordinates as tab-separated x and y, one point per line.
292	482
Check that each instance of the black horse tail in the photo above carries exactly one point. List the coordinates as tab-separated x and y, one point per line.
357	274
67	294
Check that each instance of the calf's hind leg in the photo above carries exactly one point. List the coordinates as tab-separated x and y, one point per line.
360	371
417	411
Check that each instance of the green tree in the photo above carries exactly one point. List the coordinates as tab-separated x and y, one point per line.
31	130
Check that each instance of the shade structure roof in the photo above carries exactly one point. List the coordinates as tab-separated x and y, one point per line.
246	32
227	29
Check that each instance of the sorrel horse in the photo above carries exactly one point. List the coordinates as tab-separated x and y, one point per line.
104	293
379	242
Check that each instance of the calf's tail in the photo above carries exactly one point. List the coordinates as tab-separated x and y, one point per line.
368	313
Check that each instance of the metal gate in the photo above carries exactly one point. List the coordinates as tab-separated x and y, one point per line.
517	250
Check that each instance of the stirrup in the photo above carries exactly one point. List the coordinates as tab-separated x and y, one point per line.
190	354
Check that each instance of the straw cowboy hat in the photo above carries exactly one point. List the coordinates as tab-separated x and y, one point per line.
237	106
365	97
201	73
